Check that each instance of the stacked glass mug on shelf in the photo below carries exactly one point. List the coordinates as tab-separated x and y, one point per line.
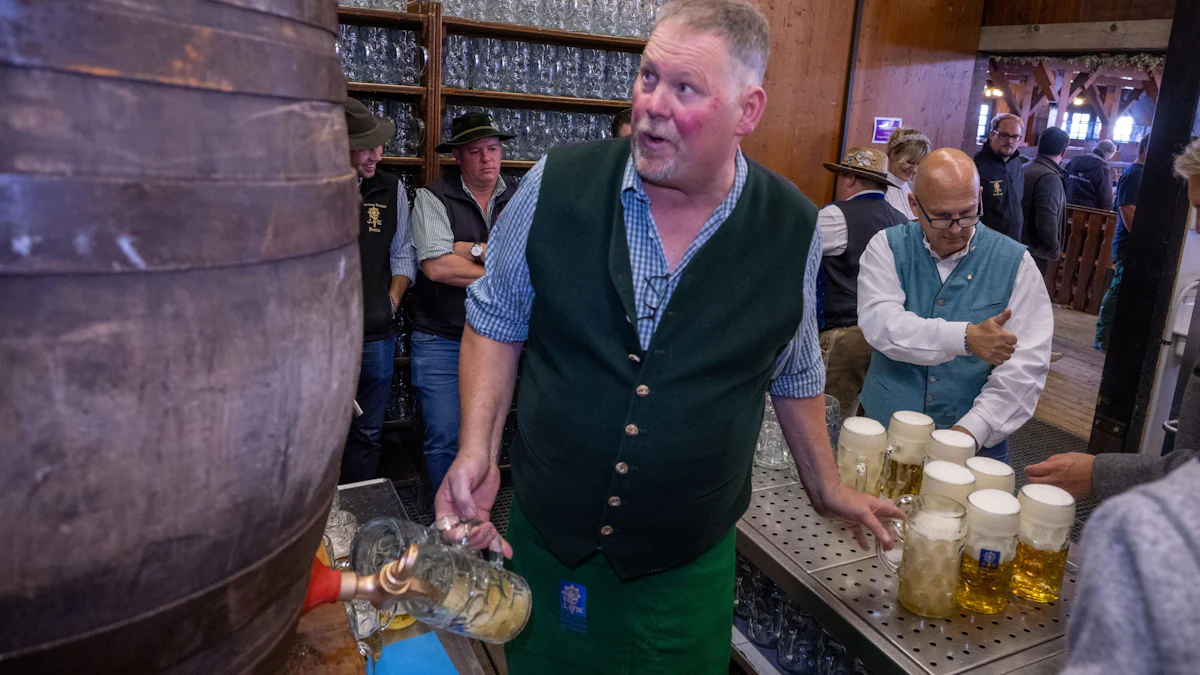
624	18
492	64
410	128
381	55
537	131
967	541
774	622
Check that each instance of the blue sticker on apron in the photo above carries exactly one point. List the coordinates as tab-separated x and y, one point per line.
989	560
572	606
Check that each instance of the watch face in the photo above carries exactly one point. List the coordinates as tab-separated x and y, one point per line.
476	250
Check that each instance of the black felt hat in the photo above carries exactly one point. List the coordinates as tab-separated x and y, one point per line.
366	130
471	127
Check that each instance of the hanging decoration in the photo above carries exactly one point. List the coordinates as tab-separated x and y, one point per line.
1091	62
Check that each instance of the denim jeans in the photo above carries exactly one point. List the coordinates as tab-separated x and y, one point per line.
435	376
997	452
360	460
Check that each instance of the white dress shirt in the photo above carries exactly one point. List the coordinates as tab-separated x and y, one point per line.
898	197
1011	393
834	230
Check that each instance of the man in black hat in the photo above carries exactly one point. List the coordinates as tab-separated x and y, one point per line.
1045	194
861	211
452	217
388	266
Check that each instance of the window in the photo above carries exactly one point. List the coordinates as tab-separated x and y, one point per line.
983	121
1079	126
1123	129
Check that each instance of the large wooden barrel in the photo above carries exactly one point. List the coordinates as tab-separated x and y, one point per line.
180	328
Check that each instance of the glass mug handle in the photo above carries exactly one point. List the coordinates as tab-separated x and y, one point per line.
420	136
424	65
462	532
891	559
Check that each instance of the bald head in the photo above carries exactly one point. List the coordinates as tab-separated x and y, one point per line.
947	188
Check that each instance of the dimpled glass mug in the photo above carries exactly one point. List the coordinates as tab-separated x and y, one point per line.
860	453
929	545
948	480
992	474
1047	514
951	446
908	434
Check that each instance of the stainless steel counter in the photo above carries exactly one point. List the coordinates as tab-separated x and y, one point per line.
820	566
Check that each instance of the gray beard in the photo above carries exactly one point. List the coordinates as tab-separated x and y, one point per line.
642	165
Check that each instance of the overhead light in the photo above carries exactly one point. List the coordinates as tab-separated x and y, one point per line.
1078	101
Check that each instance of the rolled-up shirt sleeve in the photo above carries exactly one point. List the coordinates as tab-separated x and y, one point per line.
895	332
799	370
499	303
403	256
432	234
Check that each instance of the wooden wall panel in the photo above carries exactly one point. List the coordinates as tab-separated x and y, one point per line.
915	61
806	87
1021	12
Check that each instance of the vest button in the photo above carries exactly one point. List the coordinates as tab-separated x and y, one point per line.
631	430
933	378
622	468
606	530
614	501
643	390
635	358
929	398
941	302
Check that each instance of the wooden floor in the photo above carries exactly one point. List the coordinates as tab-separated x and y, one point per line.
1069	400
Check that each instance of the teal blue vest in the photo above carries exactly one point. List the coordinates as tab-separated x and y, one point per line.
656	444
978	289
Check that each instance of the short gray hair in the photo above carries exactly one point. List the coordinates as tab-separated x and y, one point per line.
1105	148
739	23
1006	116
1187	163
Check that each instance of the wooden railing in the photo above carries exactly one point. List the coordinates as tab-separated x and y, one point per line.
1078	279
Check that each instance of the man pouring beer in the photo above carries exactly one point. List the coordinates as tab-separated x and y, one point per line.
624	266
957	314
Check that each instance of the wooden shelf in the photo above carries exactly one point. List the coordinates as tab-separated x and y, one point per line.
379	17
535	100
402	161
453	24
390	89
504	163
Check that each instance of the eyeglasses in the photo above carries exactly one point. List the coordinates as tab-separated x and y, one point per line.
1008	137
947	223
656	288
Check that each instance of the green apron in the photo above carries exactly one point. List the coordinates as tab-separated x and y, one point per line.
586	620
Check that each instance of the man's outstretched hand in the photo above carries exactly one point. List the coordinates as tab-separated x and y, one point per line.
468	493
860	510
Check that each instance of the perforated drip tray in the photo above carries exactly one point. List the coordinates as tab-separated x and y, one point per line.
787	519
768	478
953	645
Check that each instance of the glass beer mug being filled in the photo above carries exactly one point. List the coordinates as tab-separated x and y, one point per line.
860	453
908	434
1047	514
929	545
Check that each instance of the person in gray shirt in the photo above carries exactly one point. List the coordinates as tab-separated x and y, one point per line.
1137	603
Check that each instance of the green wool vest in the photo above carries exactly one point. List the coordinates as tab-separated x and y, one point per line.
656	445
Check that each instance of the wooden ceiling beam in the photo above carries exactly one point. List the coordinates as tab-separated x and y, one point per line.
1045	79
1151	88
1001	83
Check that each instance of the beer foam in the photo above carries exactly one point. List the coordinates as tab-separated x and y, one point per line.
1048	494
998	502
948	472
954	439
992	467
864	426
939	526
912	418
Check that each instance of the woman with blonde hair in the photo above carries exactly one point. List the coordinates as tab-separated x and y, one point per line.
905	150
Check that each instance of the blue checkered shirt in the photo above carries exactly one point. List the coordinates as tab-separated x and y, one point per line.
499	303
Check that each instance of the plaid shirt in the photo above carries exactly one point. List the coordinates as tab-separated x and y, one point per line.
499	304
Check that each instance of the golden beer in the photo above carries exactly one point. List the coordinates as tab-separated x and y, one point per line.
983	589
900	479
928	572
1038	575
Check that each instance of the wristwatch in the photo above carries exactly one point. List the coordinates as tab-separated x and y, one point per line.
477	252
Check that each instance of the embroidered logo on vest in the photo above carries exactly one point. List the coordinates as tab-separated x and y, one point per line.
373	221
997	191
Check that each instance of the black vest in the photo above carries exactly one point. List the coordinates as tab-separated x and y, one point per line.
440	309
377	227
670	431
865	217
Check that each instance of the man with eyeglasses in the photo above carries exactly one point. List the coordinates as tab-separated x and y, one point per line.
958	315
1002	176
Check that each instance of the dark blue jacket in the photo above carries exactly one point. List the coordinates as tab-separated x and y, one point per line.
1089	182
1003	183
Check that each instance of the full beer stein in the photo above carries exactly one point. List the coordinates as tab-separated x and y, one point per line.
860	451
949	480
951	446
984	576
992	474
1047	514
929	545
908	434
